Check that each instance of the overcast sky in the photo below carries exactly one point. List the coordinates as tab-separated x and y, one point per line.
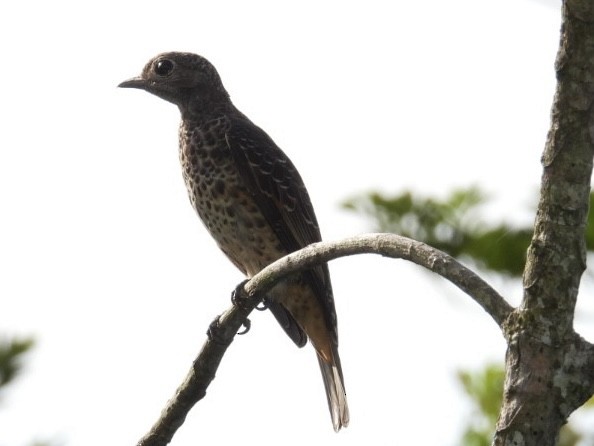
103	260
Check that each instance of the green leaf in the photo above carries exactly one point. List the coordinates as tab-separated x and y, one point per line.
11	353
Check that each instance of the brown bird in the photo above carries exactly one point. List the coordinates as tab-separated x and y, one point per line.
253	202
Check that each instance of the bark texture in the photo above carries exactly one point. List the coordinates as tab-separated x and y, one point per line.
549	368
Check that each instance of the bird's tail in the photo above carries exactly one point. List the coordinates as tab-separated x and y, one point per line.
334	384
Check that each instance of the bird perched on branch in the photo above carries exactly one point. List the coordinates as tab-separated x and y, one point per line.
253	202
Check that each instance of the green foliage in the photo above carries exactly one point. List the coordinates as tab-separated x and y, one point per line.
455	226
11	354
439	223
485	389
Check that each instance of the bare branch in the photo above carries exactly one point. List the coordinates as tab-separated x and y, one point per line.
220	335
225	327
388	245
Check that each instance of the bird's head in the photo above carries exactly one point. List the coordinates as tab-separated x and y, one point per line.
187	80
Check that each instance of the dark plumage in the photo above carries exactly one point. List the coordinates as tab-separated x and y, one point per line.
253	202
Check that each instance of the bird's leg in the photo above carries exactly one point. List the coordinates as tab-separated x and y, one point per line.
238	297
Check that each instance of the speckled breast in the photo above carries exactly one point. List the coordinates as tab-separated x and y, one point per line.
222	200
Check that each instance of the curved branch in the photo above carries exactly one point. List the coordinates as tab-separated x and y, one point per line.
224	328
388	245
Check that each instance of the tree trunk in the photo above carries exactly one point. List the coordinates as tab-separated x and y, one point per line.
549	368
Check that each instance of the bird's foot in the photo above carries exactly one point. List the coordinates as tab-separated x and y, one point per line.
214	333
247	324
238	296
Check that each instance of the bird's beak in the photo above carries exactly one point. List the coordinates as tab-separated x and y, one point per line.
135	82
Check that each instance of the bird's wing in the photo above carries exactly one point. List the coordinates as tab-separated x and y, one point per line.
280	194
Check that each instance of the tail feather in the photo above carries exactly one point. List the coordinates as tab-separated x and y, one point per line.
337	403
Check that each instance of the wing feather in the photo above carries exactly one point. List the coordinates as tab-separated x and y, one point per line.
282	197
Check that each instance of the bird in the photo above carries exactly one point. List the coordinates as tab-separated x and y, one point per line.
253	202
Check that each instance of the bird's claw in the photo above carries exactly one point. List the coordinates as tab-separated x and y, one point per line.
214	331
247	324
238	295
238	298
214	334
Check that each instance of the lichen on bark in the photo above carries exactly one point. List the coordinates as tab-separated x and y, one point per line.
549	366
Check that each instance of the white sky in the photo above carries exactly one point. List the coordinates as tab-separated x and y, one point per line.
104	261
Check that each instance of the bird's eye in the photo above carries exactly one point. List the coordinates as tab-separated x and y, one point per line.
164	67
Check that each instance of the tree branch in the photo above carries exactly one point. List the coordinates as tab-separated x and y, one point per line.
388	245
224	328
